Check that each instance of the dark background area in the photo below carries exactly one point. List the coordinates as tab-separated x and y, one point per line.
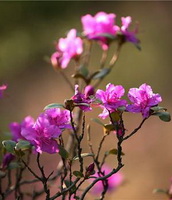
28	31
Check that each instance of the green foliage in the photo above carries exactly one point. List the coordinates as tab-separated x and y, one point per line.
83	155
164	116
23	145
63	153
9	146
113	152
54	105
102	73
78	174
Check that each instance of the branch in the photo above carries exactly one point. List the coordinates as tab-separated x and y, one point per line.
100	179
135	130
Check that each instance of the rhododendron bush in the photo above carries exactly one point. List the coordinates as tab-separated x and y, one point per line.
74	177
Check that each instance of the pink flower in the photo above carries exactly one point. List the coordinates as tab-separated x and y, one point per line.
69	47
129	35
143	99
80	98
111	99
113	181
47	128
56	60
16	128
2	89
95	27
58	117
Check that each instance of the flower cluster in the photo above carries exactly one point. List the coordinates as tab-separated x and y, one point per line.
142	99
101	28
43	133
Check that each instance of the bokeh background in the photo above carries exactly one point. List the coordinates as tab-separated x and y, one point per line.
27	34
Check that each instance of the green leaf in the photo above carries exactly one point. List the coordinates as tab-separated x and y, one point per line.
121	108
160	191
114	152
164	116
103	72
54	105
62	151
81	104
158	108
109	127
97	121
109	36
83	155
2	174
78	174
14	165
23	145
9	145
68	184
84	71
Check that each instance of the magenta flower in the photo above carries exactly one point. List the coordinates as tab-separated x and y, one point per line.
110	99
96	27
80	98
47	128
113	181
143	99
58	117
7	159
129	35
16	128
2	89
70	47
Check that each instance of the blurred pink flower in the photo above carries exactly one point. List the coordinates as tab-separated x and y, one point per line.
143	99
96	27
111	99
56	59
16	128
129	35
70	47
113	181
2	89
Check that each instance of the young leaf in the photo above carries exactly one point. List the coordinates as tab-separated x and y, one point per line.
62	151
103	72
23	145
164	116
68	184
83	155
78	174
54	105
158	108
9	145
14	165
160	191
84	71
97	121
114	152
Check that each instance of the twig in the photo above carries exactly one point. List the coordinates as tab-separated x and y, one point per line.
135	130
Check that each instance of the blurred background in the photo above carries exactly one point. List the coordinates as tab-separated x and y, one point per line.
28	31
